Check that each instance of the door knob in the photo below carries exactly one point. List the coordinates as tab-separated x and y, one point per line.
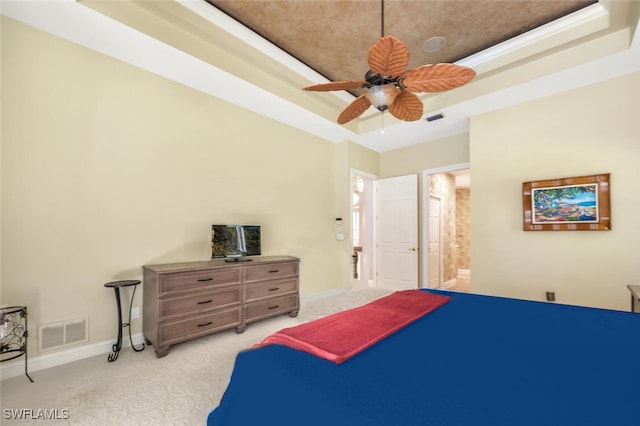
413	249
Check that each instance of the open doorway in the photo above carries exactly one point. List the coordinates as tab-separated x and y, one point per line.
447	228
453	231
362	230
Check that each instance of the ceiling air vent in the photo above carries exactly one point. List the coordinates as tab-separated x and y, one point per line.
435	117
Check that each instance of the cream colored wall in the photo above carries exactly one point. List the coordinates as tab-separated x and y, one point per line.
585	131
106	167
428	155
363	159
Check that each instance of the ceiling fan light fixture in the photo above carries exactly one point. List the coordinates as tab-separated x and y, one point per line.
381	96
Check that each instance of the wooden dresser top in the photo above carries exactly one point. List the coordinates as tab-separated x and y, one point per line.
216	263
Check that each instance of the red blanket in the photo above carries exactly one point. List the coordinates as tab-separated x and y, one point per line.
340	336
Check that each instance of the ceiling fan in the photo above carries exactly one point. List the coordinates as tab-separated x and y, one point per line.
391	86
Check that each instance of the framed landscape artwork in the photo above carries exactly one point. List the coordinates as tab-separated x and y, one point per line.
567	204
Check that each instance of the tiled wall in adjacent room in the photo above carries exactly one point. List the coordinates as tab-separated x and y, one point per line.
463	228
444	185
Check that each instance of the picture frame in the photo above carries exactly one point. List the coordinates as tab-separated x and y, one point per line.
567	204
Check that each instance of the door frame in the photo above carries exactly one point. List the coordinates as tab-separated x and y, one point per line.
424	217
440	263
371	210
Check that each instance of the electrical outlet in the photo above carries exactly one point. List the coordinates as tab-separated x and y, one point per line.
551	296
135	313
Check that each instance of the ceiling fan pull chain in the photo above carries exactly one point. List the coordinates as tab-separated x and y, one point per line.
382	122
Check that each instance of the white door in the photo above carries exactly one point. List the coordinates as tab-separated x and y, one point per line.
434	241
397	232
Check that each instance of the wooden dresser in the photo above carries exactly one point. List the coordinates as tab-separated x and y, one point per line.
183	301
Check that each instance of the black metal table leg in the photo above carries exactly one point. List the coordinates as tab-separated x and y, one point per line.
116	285
129	323
118	345
26	334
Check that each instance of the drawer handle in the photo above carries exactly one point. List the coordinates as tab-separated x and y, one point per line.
274	307
205	279
274	289
205	324
274	271
205	302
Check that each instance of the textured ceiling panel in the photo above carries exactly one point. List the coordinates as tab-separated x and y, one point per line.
333	37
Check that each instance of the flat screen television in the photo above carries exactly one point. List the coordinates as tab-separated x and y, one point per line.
235	242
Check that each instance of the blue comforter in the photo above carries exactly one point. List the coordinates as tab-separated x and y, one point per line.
477	360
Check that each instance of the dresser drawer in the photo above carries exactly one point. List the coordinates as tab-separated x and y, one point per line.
181	330
268	272
200	279
270	307
270	289
202	302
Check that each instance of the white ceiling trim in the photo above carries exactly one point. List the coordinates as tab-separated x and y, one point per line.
79	24
457	116
584	21
233	27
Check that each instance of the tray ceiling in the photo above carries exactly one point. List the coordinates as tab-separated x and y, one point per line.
259	54
333	37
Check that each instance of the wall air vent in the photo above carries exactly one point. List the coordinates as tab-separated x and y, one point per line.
64	333
434	117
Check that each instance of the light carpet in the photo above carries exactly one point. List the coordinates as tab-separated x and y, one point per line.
141	389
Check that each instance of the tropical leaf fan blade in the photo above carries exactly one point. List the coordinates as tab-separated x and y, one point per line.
388	57
406	107
336	85
354	109
436	77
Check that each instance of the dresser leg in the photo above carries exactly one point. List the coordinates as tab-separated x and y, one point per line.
162	351
293	314
241	328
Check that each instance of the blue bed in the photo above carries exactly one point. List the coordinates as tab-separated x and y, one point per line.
477	360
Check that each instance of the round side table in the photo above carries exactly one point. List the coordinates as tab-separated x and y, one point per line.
117	285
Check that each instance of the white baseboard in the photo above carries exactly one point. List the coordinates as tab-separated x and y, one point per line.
15	367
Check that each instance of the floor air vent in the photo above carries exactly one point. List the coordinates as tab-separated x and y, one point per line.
58	334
